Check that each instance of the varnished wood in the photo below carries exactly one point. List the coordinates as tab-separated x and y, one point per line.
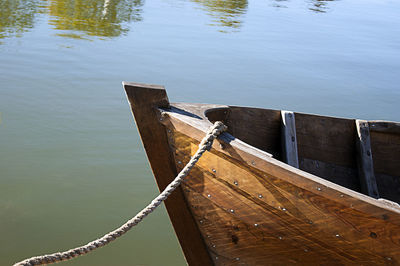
145	100
289	139
253	209
365	161
294	224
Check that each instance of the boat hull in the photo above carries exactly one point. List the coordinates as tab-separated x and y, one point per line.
249	208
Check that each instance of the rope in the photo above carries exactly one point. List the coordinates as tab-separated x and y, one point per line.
204	145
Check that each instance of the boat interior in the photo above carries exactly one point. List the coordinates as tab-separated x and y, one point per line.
360	155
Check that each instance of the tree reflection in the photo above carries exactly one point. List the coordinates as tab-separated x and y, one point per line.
103	18
81	19
17	16
225	13
320	6
280	3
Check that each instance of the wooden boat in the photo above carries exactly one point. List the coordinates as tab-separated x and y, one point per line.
277	188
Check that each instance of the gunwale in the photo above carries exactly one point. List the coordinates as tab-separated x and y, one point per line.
249	154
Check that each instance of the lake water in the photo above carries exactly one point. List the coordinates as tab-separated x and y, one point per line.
72	165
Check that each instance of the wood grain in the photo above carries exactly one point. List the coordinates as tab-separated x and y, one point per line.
385	146
260	128
252	209
326	139
286	225
145	100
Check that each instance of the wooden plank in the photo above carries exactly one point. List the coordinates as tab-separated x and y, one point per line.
364	160
289	139
386	148
257	127
254	218
385	126
144	100
341	175
326	139
248	155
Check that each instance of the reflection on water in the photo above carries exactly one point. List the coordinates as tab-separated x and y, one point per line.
80	19
103	18
280	3
320	6
17	16
225	13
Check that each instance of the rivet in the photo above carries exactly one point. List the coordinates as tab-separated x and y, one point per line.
169	130
280	237
235	182
201	221
319	189
161	119
237	258
310	222
388	258
283	209
260	196
209	195
290	115
232	211
341	195
373	235
216	258
253	163
213	246
293	138
214	170
179	162
255	225
337	235
305	250
208	236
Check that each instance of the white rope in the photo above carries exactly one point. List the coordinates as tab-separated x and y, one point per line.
204	145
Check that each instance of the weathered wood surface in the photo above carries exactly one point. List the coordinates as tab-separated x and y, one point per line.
384	126
331	141
259	212
364	160
341	175
289	139
385	147
252	209
326	139
386	152
257	127
144	100
253	217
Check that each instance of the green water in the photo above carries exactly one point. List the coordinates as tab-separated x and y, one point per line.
72	166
